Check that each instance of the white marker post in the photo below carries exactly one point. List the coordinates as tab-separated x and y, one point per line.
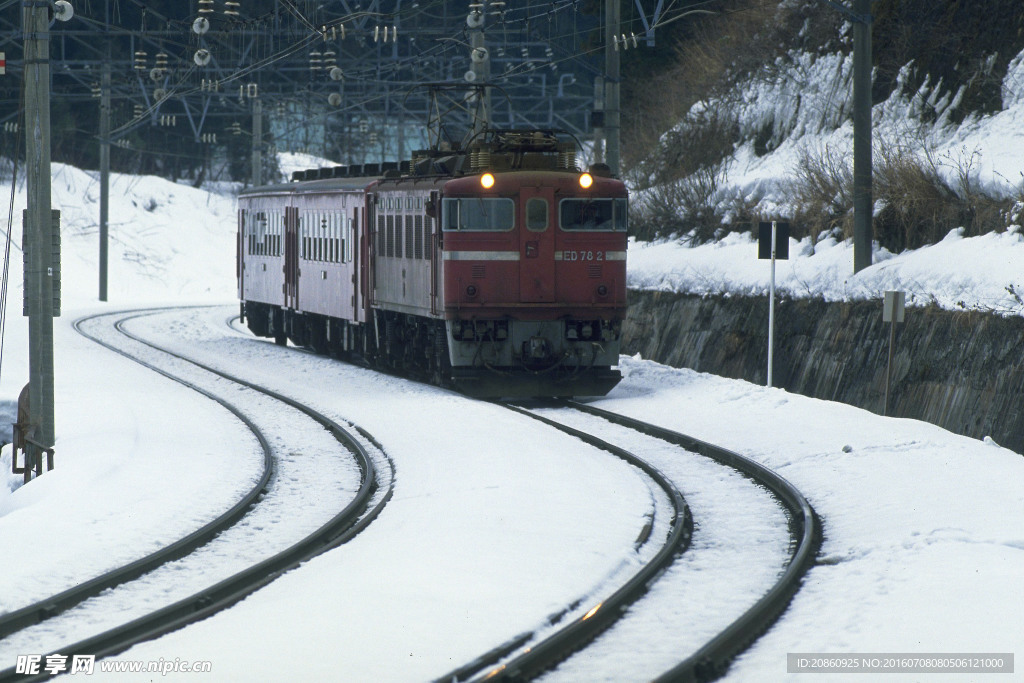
773	243
892	312
771	306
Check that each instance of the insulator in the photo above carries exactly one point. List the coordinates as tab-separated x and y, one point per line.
330	59
525	52
138	110
161	60
96	90
205	6
394	33
373	138
281	109
376	33
231	8
567	158
315	62
236	128
548	51
140	60
483	158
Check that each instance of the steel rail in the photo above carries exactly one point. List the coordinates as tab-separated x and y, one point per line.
41	610
580	632
338	530
712	660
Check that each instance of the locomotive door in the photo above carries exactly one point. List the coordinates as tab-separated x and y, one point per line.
536	245
291	257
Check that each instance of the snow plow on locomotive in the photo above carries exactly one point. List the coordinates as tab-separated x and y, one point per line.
499	270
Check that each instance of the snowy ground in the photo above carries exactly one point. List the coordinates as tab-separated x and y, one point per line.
924	548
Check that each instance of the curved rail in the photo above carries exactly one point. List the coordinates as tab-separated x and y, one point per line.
38	612
712	660
583	630
338	530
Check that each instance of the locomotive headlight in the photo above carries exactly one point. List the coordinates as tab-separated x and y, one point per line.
586	180
487	180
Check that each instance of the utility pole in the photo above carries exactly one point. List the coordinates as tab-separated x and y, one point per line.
104	173
612	13
862	201
598	119
39	224
257	142
480	69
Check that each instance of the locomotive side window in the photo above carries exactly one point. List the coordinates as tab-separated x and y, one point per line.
598	215
537	214
492	215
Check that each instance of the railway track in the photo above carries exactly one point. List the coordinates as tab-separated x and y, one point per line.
368	490
737	622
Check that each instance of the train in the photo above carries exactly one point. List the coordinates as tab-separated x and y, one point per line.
497	269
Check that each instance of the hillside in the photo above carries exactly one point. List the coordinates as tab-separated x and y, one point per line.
756	101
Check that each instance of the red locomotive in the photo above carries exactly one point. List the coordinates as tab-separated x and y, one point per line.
499	270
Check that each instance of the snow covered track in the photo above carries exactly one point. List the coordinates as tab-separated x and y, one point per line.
712	659
543	655
290	515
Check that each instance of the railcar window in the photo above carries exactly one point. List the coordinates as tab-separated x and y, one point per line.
408	238
491	214
348	242
418	231
389	246
537	214
599	215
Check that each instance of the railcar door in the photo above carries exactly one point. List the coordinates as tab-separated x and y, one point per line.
536	245
240	254
291	257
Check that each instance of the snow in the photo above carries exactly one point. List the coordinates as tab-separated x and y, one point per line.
485	537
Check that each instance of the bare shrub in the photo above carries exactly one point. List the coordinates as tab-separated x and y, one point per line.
684	206
918	205
822	188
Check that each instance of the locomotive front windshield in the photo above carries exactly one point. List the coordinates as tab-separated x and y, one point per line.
490	214
598	215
